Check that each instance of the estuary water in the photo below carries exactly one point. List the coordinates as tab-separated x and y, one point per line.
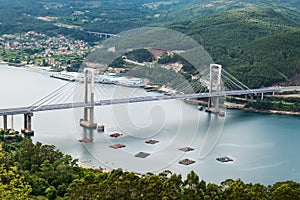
265	147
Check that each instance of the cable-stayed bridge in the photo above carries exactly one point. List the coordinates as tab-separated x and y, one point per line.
61	106
86	97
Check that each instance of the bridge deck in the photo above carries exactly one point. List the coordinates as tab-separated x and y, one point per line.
22	110
104	34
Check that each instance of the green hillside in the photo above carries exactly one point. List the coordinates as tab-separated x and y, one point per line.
259	47
271	59
239	36
116	16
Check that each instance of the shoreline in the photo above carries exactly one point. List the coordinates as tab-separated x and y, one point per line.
278	112
235	106
25	65
38	67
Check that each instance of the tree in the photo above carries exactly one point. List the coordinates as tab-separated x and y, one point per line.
39	185
192	188
12	184
257	191
77	190
288	190
213	191
172	187
51	193
237	189
151	186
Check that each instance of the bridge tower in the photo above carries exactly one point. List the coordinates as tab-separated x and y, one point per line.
89	88
214	86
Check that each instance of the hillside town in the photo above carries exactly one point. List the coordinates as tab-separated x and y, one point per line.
32	48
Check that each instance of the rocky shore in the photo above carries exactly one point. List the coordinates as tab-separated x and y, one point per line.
281	112
230	105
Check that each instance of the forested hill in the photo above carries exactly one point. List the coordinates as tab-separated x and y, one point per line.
116	16
258	44
260	47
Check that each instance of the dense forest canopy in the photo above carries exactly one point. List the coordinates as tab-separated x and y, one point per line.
39	171
117	16
260	47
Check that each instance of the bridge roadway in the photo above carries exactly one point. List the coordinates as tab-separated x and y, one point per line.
102	34
28	109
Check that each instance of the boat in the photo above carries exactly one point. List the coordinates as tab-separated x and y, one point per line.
186	149
115	135
152	141
142	155
186	161
63	76
224	159
117	146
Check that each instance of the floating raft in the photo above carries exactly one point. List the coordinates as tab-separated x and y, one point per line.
142	155
186	161
152	141
117	146
224	159
186	149
115	135
86	140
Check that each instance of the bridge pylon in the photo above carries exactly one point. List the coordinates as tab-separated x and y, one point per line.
27	124
88	110
214	86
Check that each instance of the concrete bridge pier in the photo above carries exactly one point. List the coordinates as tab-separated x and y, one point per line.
249	97
88	122
5	122
27	124
87	135
12	122
5	126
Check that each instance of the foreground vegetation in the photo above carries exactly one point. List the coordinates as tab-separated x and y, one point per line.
37	171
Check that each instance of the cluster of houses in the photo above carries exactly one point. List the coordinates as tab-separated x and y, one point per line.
42	50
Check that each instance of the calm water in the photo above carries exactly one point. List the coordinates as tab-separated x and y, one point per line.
264	147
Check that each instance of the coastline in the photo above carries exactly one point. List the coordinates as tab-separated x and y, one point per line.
279	112
25	65
38	67
234	106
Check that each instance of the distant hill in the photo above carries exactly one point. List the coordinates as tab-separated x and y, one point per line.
245	36
260	47
119	15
